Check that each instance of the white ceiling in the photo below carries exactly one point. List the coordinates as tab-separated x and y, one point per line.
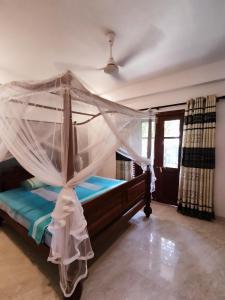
41	38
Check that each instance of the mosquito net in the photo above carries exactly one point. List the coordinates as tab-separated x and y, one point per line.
56	125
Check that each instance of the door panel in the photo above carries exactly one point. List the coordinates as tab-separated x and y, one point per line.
168	139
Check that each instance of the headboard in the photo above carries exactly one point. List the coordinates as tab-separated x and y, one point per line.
12	174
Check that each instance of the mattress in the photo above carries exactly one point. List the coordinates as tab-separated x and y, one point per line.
29	207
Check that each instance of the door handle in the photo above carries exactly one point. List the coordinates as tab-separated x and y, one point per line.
160	169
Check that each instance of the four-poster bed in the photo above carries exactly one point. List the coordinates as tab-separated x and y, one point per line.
106	208
71	161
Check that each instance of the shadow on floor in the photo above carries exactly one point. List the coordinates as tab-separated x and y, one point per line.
100	243
38	259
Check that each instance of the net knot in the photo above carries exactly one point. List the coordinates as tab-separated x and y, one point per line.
65	206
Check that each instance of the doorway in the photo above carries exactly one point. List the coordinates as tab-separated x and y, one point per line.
168	141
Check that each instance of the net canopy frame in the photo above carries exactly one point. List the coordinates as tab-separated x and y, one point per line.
56	129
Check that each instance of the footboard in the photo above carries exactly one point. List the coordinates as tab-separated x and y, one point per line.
115	203
127	199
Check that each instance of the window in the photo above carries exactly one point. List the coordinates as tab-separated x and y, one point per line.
171	143
144	139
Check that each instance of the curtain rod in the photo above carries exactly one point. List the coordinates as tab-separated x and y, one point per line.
179	104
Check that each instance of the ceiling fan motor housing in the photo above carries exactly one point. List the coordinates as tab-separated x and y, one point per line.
111	67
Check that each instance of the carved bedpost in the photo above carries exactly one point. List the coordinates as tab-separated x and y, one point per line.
69	168
148	209
68	136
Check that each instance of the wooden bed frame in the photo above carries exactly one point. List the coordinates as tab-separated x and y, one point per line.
104	209
101	212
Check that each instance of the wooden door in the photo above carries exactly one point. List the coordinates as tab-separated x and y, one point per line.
168	140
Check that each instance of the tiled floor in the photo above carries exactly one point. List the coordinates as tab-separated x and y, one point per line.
169	257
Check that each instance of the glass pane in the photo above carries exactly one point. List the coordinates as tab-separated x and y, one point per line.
144	147
171	150
172	128
153	129
144	129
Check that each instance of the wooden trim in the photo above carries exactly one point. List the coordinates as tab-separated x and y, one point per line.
110	206
170	113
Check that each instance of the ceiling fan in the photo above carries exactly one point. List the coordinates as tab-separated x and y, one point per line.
148	40
111	67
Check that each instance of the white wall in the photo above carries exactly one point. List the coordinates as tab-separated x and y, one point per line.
220	161
175	83
109	169
181	95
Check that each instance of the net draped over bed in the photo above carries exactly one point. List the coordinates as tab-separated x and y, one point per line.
33	129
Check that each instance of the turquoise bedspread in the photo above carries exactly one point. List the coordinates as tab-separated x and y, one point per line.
36	210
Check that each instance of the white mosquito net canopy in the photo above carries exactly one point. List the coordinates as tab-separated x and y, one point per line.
61	133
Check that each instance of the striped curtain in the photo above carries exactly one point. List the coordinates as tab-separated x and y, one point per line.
124	170
196	183
124	167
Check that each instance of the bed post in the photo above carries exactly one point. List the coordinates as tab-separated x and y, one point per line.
68	134
147	208
69	168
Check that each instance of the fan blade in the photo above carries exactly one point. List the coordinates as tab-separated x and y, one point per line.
150	39
117	76
69	66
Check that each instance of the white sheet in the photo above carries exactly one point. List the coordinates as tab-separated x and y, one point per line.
46	194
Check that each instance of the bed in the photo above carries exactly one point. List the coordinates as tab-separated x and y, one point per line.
61	133
101	208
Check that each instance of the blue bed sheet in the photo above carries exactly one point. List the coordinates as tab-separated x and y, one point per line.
34	209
